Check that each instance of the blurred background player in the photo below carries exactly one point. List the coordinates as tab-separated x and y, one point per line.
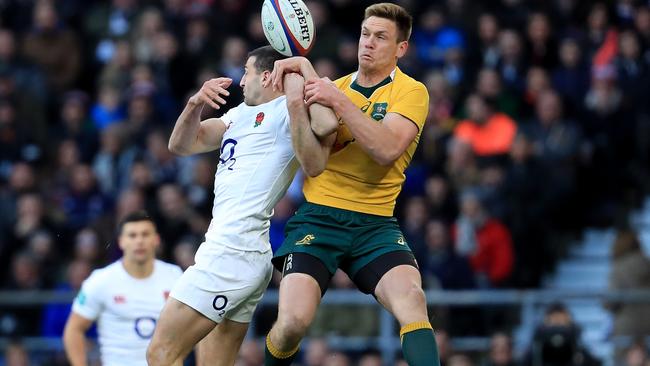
124	298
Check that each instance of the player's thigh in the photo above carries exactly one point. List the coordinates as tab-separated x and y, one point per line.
378	247
179	328
300	295
221	346
400	291
315	230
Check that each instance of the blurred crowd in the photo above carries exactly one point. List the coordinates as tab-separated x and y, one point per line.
538	125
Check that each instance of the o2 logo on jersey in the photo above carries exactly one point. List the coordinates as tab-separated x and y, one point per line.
219	304
144	326
229	146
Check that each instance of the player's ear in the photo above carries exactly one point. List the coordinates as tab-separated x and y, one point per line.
157	241
402	47
119	242
266	75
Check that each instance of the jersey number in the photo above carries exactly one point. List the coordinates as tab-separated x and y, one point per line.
229	160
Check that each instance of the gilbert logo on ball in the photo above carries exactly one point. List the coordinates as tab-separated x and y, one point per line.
288	26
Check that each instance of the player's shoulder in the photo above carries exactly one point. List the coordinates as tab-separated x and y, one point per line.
168	269
105	274
407	83
344	81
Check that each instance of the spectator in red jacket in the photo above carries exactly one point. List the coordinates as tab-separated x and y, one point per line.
485	240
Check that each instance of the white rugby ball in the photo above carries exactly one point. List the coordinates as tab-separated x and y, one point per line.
288	26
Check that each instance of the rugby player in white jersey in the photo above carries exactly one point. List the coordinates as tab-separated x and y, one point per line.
214	300
124	298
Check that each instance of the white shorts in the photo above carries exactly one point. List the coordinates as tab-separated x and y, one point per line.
224	282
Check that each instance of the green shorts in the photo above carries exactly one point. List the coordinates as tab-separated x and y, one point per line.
340	238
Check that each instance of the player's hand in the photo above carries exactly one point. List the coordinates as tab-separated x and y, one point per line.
322	91
211	93
294	86
282	67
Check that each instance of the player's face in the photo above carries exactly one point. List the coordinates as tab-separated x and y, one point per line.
378	46
251	83
139	241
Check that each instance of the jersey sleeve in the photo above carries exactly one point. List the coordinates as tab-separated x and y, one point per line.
88	302
412	104
231	116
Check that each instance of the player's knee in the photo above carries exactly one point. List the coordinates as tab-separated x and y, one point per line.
157	355
293	326
408	298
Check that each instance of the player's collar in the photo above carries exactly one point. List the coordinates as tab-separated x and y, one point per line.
392	75
368	91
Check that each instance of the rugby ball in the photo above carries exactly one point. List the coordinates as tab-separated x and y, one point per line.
288	26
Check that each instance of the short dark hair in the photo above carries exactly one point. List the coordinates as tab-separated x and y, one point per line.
394	12
265	57
135	216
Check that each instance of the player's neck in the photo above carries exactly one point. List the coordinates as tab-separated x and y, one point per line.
369	78
138	270
269	95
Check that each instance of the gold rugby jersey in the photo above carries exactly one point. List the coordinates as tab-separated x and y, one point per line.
352	180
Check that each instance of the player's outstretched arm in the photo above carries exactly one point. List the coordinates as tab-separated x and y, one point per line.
74	339
193	136
385	142
312	152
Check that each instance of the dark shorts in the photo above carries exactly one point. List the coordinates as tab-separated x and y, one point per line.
323	238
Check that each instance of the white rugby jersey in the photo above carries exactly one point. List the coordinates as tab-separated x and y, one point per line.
126	309
256	166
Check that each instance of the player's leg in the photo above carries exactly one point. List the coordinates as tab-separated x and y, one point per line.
307	258
400	291
178	329
305	279
383	265
221	346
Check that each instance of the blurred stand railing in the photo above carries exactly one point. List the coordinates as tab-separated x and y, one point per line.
530	302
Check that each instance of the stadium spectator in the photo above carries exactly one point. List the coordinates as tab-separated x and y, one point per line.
540	43
16	355
527	199
76	125
489	132
83	203
55	314
25	275
114	159
444	346
337	359
557	341
316	352
415	217
485	51
511	64
630	270
485	240
459	359
571	77
62	62
370	358
184	252
443	265
635	355
489	85
500	353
